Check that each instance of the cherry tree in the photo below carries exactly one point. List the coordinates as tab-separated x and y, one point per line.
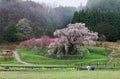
40	42
68	39
24	28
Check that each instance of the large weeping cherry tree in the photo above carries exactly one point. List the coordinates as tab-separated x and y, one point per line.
68	39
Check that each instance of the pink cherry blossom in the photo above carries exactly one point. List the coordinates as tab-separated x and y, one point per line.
72	36
44	40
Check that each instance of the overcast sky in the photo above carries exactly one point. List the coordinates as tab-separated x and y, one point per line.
74	3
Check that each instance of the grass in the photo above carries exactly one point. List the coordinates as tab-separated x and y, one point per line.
99	50
35	58
7	61
6	46
116	54
116	57
61	75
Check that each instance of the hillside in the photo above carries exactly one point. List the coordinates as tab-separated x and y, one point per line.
101	16
34	57
116	54
103	4
43	19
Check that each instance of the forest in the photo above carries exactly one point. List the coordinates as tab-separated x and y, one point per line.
41	18
102	16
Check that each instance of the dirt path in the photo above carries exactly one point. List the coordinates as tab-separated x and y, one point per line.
110	56
17	57
115	46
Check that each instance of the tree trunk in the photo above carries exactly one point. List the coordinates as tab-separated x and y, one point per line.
66	49
72	49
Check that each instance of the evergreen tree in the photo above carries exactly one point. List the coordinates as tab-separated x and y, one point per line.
11	32
75	17
108	30
94	17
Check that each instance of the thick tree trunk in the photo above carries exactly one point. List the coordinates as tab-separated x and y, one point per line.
59	52
66	49
72	49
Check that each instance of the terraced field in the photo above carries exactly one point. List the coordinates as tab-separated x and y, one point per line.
116	54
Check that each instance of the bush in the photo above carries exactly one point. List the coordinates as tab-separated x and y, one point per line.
38	42
10	33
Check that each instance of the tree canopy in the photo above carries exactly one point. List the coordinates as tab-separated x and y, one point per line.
70	38
94	17
44	19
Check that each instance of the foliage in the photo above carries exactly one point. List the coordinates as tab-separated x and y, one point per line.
75	18
105	13
18	32
40	42
109	31
43	19
24	28
101	21
69	38
11	32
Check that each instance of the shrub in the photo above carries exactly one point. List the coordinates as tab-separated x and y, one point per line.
43	41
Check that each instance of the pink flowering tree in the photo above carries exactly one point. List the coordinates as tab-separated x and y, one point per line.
70	38
39	42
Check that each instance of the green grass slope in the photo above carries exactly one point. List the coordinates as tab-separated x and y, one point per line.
97	54
35	58
7	60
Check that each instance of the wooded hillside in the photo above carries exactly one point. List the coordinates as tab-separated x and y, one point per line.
43	19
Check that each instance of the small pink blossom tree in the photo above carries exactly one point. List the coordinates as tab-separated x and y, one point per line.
70	38
40	42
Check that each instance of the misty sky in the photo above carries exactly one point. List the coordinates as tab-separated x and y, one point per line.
74	3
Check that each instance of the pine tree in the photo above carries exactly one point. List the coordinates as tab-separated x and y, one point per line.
11	32
75	17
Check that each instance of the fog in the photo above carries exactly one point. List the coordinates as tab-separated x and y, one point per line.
44	19
73	3
103	4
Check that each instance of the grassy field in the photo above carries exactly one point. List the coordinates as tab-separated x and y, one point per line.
97	54
7	60
35	58
116	55
99	50
61	75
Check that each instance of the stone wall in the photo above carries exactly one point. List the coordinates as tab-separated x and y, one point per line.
68	57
